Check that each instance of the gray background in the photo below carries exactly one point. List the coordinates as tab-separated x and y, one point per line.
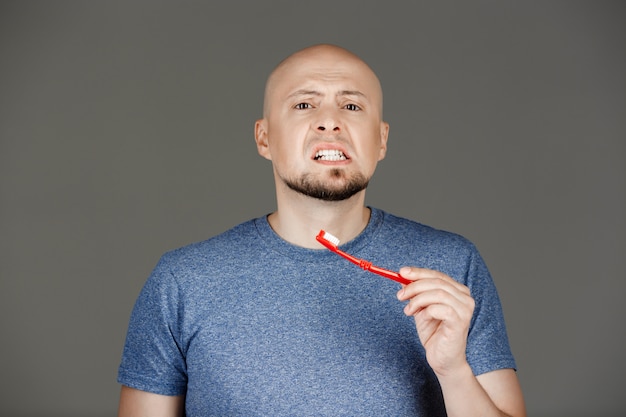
126	129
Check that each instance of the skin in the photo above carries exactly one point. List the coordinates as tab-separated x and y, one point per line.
325	97
321	98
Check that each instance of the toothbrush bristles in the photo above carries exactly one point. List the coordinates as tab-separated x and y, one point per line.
332	239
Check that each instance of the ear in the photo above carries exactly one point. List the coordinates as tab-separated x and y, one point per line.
261	139
384	135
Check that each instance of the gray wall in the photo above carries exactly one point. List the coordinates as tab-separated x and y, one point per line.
126	129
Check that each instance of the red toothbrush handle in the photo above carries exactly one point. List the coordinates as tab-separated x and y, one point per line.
389	274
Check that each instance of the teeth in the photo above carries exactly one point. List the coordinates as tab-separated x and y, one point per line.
330	155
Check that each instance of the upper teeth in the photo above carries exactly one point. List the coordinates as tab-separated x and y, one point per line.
330	155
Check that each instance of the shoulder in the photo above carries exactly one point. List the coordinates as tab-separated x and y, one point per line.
200	258
225	241
425	246
411	232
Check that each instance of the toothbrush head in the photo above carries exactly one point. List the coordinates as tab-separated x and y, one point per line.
328	240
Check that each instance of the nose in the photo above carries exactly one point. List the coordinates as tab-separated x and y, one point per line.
323	127
328	123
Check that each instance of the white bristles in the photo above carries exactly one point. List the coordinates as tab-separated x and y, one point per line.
332	239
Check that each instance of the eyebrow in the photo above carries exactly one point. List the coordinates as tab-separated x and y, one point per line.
317	93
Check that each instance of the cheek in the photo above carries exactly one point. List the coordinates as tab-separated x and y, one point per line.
284	152
287	138
375	142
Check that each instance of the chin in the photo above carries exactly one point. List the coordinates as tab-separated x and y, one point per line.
344	188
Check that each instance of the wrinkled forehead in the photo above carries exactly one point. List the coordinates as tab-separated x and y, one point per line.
321	68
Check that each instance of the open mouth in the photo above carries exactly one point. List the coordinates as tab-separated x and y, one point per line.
330	155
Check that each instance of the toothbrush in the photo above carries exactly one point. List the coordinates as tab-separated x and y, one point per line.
332	243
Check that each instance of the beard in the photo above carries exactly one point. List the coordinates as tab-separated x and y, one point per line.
321	190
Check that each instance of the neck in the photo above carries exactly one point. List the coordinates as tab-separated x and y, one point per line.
300	219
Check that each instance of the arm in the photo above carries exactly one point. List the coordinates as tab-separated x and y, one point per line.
136	403
442	309
496	393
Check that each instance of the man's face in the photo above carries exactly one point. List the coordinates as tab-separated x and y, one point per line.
323	128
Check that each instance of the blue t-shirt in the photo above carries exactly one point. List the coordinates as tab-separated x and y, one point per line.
246	324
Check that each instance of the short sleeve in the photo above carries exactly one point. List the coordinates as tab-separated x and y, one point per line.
153	359
487	344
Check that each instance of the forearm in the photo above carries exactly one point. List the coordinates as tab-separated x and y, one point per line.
498	394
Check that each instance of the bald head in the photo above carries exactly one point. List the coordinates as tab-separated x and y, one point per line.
319	61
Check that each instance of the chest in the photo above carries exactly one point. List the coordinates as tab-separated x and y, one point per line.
287	342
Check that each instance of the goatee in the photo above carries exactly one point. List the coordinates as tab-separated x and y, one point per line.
323	191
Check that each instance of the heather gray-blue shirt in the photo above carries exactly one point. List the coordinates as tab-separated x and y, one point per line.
246	324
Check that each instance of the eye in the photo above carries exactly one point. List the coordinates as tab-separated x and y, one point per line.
352	107
302	106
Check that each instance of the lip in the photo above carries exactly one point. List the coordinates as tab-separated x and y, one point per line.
330	147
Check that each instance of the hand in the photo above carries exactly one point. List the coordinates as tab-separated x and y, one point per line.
442	309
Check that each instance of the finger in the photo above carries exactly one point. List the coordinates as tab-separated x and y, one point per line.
439	318
442	323
462	305
435	287
416	274
433	281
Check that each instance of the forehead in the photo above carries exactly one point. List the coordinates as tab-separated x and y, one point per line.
323	70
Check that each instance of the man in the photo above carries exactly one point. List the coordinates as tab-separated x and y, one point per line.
262	320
